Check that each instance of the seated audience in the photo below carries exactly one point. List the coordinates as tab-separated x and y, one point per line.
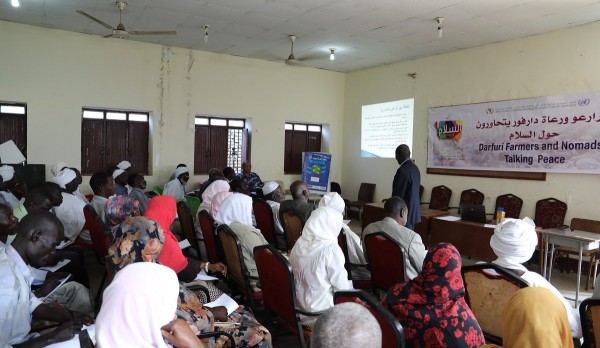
180	165
318	262
213	174
118	209
10	181
274	195
137	182
103	186
431	307
139	239
346	325
126	166
299	201
70	212
176	187
533	318
2	187
396	213
79	180
120	177
229	173
150	292
236	212
251	178
235	186
211	191
37	237
57	167
36	199
355	249
514	242
55	192
8	224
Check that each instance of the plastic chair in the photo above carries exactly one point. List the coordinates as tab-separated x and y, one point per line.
488	288
264	219
392	334
440	198
386	260
550	213
209	234
279	293
292	224
589	315
193	204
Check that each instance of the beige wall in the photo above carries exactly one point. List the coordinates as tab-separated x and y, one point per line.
57	73
557	63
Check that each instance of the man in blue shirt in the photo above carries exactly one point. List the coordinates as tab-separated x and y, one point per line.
252	179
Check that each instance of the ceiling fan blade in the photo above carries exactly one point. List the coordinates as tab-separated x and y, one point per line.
95	20
152	33
107	36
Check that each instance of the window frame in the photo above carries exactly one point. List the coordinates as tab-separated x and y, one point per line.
202	164
11	135
292	130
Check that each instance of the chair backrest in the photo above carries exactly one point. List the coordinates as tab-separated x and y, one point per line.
550	213
392	335
488	288
343	243
589	315
585	225
277	284
512	205
471	196
233	258
100	242
264	219
440	198
187	225
421	189
386	260
292	224
335	187
193	204
366	192
207	225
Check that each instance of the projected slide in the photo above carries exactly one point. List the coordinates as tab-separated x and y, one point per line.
385	126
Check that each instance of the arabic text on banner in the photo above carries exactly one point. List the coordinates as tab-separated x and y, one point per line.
545	134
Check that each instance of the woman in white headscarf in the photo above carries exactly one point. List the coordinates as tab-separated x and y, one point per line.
514	242
212	189
138	310
318	262
355	250
235	208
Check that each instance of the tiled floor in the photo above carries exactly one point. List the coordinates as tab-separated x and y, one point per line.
566	283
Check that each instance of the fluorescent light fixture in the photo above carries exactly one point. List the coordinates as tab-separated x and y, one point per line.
332	55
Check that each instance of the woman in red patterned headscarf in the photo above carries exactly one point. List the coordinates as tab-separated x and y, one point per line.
432	307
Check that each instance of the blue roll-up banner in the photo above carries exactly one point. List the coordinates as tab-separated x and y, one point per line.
315	170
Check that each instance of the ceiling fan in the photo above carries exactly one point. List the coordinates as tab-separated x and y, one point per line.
120	32
291	60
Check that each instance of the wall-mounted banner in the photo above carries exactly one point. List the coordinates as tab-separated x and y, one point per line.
315	171
545	134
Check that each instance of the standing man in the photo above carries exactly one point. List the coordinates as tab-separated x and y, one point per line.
406	185
252	179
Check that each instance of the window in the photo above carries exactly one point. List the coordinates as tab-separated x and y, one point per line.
300	138
220	142
111	136
13	125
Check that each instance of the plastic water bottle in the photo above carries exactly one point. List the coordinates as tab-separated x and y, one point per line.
500	215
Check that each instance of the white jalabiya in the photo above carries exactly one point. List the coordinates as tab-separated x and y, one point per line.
355	250
7	173
175	189
57	167
64	177
11	199
216	202
514	242
212	189
318	262
136	305
235	208
70	213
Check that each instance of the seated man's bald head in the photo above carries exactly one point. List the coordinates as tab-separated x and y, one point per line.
299	190
346	325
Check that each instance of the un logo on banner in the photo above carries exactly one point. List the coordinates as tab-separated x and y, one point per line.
583	102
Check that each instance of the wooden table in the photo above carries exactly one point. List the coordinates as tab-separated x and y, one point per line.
373	212
470	238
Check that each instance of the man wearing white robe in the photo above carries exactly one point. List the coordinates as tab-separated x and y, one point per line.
8	176
274	195
70	212
176	187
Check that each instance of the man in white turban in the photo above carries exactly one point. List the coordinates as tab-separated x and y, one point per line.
355	250
70	212
514	242
120	177
8	177
274	195
126	167
57	167
176	187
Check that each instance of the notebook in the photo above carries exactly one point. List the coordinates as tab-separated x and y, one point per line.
472	212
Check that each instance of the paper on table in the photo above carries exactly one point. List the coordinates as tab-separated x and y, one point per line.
225	301
39	275
74	342
63	244
62	281
203	276
490	225
57	266
184	244
448	218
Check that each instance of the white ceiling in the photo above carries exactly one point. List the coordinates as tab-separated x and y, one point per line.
365	33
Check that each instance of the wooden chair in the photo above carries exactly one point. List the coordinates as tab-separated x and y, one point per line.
366	192
512	205
594	255
279	293
440	198
589	315
421	189
470	196
236	268
386	261
264	219
488	288
187	225
358	283
209	234
392	335
550	213
292	224
100	245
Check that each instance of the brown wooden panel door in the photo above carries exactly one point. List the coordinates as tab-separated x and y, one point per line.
92	146
299	145
314	142
218	147
137	139
116	142
201	150
14	128
287	164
